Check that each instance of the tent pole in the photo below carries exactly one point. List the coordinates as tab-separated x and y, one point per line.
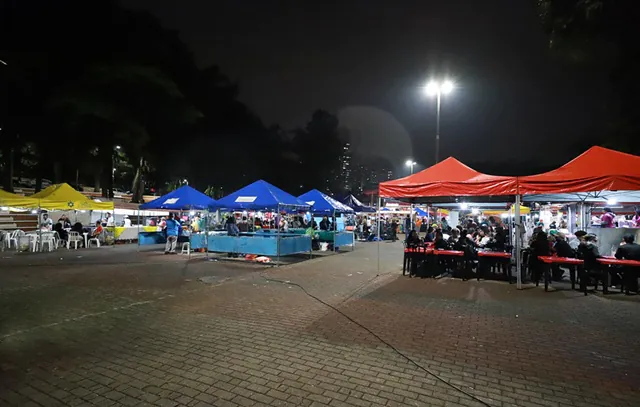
138	228
335	230
206	234
517	244
278	234
378	229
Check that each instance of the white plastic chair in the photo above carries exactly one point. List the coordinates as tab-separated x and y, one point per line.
186	248
74	238
13	237
48	240
95	240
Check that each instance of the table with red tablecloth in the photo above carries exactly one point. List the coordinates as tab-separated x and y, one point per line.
549	260
485	258
629	269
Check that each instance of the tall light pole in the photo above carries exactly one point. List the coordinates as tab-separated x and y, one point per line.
437	89
410	163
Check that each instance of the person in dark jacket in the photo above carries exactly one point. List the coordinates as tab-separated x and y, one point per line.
430	235
394	230
629	251
562	249
439	242
588	251
325	224
413	240
539	247
407	224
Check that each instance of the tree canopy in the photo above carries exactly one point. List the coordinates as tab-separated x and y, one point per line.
96	95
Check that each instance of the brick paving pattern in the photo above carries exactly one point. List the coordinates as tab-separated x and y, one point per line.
131	329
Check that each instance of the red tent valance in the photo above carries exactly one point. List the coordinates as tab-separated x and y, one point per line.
448	178
597	169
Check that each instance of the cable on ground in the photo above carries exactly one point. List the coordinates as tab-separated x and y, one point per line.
390	346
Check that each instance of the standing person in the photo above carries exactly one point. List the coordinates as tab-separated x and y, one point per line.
172	231
445	224
607	220
394	230
109	220
636	218
407	224
325	224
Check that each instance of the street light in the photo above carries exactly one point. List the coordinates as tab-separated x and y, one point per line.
435	88
410	163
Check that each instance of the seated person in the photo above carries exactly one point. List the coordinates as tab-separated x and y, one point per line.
430	234
439	242
453	238
629	251
413	240
97	231
77	227
562	247
64	235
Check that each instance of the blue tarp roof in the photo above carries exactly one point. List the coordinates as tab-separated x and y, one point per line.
259	196
421	213
183	198
323	203
353	202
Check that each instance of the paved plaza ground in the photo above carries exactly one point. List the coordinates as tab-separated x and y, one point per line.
112	326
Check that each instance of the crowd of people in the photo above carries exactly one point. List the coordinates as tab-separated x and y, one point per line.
468	237
583	246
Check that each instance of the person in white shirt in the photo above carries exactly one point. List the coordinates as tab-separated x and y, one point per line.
127	221
110	221
46	223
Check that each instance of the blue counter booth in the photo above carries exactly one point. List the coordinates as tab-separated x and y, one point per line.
259	196
324	205
262	243
184	198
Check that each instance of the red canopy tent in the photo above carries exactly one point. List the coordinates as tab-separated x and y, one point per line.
597	169
449	178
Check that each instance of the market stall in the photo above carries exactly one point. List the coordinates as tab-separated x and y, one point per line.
324	205
597	179
260	196
450	181
184	198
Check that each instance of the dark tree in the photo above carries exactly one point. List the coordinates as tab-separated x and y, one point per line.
603	34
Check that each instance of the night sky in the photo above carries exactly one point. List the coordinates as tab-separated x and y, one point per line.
516	103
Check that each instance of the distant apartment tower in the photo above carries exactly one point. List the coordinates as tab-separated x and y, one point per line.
345	167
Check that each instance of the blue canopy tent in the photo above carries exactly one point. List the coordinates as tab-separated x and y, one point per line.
323	204
353	202
182	199
260	196
421	213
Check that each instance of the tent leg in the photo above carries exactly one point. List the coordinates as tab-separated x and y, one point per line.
378	230
278	228
138	229
517	245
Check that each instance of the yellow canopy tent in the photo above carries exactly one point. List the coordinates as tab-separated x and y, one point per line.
64	197
497	212
8	199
